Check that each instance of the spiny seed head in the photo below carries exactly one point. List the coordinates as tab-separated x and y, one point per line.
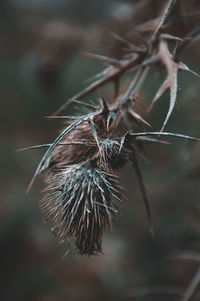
78	203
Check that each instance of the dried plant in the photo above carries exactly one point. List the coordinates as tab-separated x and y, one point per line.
82	193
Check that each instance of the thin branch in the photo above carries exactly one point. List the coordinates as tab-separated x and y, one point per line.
136	165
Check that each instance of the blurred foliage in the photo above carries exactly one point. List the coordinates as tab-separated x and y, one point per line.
42	66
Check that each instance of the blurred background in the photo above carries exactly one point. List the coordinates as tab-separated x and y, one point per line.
42	65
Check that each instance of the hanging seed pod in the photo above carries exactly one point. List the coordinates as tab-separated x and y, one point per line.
79	204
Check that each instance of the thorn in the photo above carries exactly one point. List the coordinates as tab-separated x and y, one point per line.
111	117
21	149
159	93
32	147
103	101
85	104
162	134
146	139
130	45
99	75
164	15
182	66
61	117
94	133
30	185
138	117
171	37
175	49
122	142
105	59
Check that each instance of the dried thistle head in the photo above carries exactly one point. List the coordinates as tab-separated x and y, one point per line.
80	201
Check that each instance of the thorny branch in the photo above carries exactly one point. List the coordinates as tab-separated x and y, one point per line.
156	52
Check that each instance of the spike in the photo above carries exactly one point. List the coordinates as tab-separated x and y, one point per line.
59	144
183	66
146	139
130	45
105	59
94	132
164	15
135	162
137	117
162	134
63	117
103	102
89	105
167	36
159	93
